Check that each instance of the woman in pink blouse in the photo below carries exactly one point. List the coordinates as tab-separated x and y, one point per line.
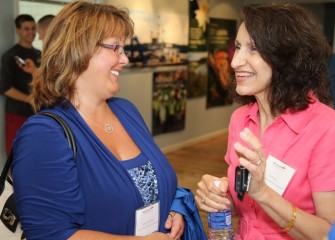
284	131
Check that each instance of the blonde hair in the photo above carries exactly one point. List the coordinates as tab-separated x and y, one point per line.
69	45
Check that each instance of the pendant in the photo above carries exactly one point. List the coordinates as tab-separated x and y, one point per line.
108	128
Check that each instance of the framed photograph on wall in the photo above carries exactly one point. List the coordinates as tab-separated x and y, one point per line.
169	101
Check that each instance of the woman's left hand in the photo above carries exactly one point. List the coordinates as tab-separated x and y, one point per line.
175	222
253	159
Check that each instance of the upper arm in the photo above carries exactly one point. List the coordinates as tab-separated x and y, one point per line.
46	189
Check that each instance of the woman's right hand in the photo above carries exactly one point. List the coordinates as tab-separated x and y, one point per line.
211	198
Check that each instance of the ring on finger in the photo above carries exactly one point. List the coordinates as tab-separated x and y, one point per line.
202	200
260	161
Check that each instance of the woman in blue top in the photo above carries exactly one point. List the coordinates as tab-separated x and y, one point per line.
119	183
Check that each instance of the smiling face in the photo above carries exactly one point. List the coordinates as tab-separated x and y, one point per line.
26	32
252	73
101	79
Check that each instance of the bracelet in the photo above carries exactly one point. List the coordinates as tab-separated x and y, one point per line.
291	223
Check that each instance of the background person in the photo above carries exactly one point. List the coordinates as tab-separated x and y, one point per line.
119	174
42	27
14	82
283	134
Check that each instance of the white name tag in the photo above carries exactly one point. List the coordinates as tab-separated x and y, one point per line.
147	220
278	174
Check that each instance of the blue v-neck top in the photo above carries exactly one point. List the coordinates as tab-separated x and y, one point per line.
56	194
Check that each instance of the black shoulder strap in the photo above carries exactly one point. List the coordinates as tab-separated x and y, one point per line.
68	133
5	171
67	130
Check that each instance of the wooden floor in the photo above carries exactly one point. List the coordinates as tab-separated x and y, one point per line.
192	162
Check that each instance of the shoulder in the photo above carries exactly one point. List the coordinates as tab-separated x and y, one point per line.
317	116
10	53
37	51
38	125
322	115
322	111
41	127
40	136
13	49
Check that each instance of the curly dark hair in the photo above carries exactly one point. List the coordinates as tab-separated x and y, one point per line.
288	38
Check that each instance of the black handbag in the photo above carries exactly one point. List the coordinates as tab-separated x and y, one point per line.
10	227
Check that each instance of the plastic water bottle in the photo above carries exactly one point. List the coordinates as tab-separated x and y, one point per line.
220	224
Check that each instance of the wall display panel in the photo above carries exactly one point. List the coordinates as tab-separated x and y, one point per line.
169	101
197	74
198	13
197	54
160	39
221	35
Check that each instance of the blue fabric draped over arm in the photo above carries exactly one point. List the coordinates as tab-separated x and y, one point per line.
184	204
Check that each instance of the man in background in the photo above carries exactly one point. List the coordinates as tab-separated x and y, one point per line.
43	24
42	27
14	81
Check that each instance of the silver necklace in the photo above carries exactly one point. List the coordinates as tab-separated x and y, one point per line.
108	127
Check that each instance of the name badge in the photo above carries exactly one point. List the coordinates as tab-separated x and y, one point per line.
278	174
147	220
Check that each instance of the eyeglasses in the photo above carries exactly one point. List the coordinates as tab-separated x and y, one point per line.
116	48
